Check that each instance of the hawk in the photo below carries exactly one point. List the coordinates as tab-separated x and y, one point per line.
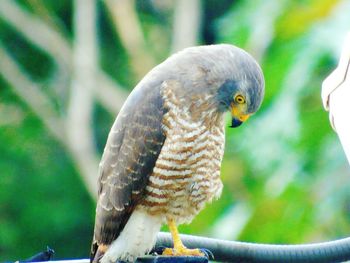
162	159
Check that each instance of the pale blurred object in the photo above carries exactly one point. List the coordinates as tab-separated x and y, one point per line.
336	97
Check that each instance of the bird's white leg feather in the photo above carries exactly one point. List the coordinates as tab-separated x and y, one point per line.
137	238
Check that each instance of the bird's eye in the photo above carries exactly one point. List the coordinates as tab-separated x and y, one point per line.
239	99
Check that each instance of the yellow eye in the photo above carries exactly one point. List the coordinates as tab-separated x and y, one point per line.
239	99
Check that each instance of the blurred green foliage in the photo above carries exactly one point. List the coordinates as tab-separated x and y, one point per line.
42	198
286	179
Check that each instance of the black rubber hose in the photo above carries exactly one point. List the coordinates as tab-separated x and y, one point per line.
234	251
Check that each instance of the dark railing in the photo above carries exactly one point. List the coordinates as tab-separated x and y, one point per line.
234	251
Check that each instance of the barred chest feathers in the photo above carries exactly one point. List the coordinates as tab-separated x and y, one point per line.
187	172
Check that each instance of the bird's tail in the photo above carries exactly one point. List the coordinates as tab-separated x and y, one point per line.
96	253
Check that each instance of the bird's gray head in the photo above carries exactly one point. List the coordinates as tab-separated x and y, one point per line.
243	95
234	78
217	77
242	87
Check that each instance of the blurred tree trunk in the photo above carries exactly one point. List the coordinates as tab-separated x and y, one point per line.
81	99
186	25
73	129
128	28
54	43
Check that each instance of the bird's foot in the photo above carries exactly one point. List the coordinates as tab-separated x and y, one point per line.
183	251
179	249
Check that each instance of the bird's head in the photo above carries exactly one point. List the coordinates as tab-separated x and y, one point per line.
241	98
242	91
219	77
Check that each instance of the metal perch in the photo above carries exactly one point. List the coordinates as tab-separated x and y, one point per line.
234	251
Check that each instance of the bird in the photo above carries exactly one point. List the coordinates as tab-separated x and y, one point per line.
162	159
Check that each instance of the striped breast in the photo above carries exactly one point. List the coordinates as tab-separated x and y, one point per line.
187	172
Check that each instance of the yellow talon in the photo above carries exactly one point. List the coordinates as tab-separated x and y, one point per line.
182	252
179	249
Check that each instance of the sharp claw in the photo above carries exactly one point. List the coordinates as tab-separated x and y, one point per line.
207	253
157	250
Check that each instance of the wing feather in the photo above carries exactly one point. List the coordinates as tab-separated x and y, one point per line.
131	151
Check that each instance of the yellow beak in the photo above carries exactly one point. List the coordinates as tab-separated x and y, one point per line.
243	118
236	114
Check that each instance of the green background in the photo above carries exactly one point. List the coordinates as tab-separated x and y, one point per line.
285	176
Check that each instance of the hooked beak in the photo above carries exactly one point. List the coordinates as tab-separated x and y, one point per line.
235	123
238	119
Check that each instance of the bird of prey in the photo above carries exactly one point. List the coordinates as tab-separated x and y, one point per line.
162	159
